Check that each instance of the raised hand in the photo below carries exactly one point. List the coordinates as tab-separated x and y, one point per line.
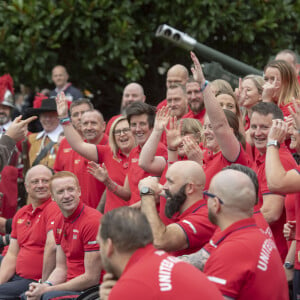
162	118
99	172
278	131
173	134
18	129
192	150
295	113
197	70
270	90
62	105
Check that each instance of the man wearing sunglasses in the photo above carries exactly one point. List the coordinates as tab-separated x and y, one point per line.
245	263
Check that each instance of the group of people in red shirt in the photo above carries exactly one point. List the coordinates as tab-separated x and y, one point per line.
208	177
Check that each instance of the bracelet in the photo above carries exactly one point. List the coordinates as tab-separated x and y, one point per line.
170	149
113	187
48	282
204	86
65	121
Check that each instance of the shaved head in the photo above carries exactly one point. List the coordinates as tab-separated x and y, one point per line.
177	74
236	190
189	171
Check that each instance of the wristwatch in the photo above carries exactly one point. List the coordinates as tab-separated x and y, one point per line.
273	143
145	190
288	265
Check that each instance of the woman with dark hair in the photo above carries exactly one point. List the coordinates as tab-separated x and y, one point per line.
222	138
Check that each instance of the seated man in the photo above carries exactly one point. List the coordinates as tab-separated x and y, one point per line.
245	263
23	262
141	271
77	259
185	204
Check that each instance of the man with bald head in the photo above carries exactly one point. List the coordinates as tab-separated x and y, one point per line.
132	92
60	78
177	74
31	230
185	205
245	263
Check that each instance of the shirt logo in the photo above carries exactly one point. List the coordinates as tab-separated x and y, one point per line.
134	160
67	150
20	221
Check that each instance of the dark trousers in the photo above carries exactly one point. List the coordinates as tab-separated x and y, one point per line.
57	295
14	288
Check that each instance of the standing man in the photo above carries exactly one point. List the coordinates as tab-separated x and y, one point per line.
43	144
245	263
75	230
195	101
141	271
92	127
176	74
60	78
31	229
132	92
64	160
191	229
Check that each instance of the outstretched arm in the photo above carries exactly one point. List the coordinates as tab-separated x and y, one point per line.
89	151
227	141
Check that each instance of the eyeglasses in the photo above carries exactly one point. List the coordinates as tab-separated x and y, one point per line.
119	131
207	195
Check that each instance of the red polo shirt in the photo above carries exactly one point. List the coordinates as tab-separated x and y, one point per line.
30	228
153	274
64	157
136	173
214	163
260	222
246	264
196	226
199	116
258	166
77	235
91	188
117	167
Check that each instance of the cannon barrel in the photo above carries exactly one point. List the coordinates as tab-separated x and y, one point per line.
183	40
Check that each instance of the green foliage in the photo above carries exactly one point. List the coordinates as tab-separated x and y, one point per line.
105	44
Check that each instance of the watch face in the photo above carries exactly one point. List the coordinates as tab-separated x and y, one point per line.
145	190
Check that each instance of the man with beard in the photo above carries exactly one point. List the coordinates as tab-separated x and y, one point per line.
245	263
185	205
195	101
136	270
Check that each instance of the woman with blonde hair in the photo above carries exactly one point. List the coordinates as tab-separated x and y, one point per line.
281	85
